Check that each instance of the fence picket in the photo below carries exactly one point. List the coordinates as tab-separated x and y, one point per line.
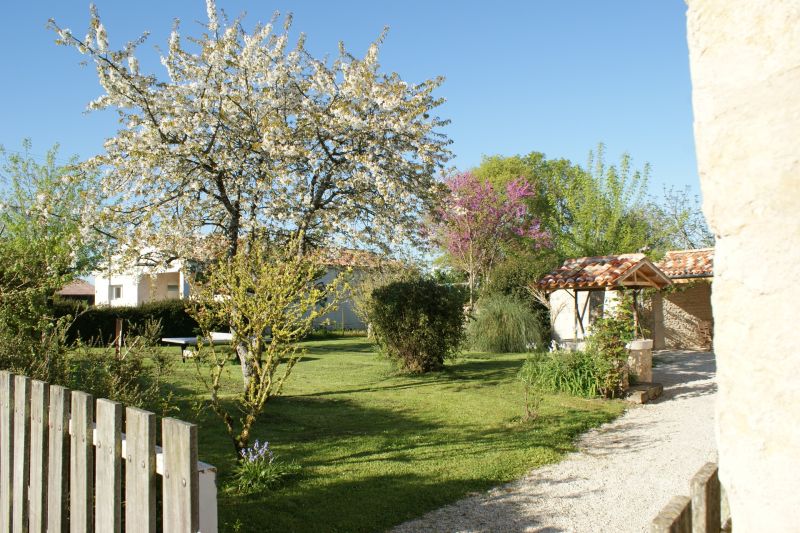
81	480
57	465
675	517
108	467
706	500
6	447
140	470
59	473
22	421
180	476
37	510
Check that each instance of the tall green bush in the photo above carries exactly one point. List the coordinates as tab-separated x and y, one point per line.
504	324
99	323
418	322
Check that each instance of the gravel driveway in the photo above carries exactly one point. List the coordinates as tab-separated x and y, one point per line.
624	473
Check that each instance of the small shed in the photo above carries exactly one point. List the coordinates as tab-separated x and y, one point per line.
682	318
584	286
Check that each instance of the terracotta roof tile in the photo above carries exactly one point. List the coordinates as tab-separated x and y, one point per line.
590	272
688	263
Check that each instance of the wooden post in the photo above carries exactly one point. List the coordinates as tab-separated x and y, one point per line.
140	471
57	461
6	447
577	316
108	467
675	517
706	500
180	477
22	406
81	480
118	336
37	517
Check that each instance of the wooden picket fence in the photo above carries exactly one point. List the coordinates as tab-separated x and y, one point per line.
67	465
704	512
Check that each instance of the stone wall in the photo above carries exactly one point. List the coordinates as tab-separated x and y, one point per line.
687	319
745	66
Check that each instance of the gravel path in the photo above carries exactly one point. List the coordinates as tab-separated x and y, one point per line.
624	473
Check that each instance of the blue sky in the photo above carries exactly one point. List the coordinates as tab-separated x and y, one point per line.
555	77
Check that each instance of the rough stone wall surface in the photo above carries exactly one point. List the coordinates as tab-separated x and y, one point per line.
686	315
745	66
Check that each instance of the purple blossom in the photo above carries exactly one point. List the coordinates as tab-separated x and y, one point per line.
475	220
257	453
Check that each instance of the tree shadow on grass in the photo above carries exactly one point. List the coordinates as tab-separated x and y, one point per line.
371	503
356	461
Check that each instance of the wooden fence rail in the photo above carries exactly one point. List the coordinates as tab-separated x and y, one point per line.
69	463
704	512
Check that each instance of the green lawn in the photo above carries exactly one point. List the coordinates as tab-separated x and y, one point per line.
377	448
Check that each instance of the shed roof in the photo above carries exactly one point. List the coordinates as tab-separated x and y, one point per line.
605	272
78	287
697	263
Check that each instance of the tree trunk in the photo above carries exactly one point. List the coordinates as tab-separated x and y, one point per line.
242	352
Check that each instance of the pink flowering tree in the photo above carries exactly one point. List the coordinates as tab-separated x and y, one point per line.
475	222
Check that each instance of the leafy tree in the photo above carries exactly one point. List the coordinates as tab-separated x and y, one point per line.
548	179
43	246
475	221
249	135
597	210
681	222
605	209
270	297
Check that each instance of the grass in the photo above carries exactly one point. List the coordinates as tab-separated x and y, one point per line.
378	448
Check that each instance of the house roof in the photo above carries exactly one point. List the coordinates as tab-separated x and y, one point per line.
348	257
698	263
78	287
605	272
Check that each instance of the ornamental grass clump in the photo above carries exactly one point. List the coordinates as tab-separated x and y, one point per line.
575	373
258	470
504	324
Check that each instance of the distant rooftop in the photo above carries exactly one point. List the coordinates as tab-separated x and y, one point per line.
697	263
78	287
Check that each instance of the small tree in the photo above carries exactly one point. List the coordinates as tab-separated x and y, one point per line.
475	221
43	246
270	297
418	322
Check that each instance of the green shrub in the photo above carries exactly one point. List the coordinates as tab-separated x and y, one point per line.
100	322
504	324
136	376
608	339
258	470
418	322
577	373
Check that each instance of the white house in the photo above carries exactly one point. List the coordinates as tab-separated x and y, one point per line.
138	285
141	284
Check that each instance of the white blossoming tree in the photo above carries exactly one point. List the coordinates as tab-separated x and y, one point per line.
249	139
247	133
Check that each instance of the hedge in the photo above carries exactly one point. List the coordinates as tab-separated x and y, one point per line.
99	323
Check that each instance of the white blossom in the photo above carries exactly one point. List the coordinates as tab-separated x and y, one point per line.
249	133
